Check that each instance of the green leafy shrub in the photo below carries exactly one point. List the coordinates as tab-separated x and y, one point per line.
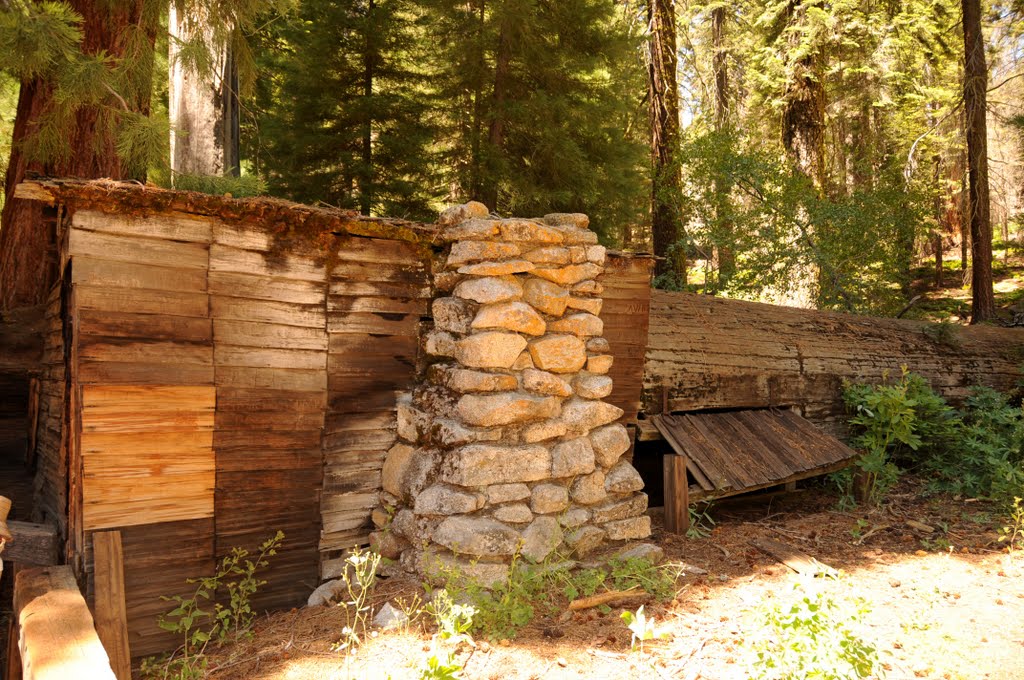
976	451
812	633
501	610
199	624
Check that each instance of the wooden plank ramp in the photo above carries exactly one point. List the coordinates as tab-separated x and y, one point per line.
732	452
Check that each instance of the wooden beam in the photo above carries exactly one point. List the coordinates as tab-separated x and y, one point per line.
56	636
677	494
33	544
109	602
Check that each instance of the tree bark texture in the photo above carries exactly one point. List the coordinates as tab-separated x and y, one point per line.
663	99
803	122
27	248
203	108
706	352
983	305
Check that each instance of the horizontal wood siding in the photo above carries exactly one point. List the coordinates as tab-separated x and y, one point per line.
627	294
270	354
142	458
378	293
710	352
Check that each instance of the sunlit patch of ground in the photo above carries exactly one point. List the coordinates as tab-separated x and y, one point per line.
949	604
952	302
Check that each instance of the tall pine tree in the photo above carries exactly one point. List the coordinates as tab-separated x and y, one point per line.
345	118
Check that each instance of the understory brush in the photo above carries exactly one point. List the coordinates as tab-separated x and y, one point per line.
977	450
502	609
814	631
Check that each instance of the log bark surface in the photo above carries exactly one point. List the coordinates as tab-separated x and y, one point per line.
711	353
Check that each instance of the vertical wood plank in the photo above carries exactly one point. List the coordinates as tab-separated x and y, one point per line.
109	607
13	669
677	494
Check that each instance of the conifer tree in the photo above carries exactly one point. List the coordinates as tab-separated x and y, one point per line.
540	107
345	119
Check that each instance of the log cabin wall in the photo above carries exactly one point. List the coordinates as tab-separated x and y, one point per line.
228	375
707	352
213	374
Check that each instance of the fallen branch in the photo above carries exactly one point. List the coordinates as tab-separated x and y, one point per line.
871	532
606	598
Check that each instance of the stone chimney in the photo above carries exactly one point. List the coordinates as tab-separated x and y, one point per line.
507	445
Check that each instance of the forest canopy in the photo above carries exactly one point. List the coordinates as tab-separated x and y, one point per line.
787	150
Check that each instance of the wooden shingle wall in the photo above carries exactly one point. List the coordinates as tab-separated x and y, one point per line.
222	386
627	293
141	449
271	361
378	293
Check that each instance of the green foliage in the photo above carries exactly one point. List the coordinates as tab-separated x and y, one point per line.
454	622
228	620
976	451
502	609
780	227
812	633
1013	533
985	454
237	187
344	116
701	521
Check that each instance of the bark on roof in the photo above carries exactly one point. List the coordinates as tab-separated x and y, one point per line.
274	214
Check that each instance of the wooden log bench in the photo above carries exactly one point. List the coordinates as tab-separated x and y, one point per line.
56	635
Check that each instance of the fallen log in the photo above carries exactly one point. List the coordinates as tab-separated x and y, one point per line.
706	352
610	597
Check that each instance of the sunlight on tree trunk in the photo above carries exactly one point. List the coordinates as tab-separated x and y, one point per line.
983	306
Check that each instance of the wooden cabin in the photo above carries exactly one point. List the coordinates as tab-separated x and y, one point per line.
216	370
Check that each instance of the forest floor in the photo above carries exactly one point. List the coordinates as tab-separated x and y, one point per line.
951	302
946	604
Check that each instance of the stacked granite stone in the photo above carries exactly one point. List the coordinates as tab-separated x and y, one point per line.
508	446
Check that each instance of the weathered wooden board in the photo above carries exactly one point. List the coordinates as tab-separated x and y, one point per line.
158	559
33	544
708	353
169	225
377	298
57	639
731	451
147	454
109	601
51	482
627	291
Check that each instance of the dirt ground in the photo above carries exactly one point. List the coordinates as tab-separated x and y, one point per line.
949	604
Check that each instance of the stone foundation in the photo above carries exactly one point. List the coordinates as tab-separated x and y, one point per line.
507	445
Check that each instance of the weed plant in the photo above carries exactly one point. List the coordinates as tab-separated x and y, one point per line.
200	619
503	609
812	632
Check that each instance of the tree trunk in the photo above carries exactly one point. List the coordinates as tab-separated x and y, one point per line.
803	122
983	305
27	248
369	64
723	189
663	98
203	108
496	131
